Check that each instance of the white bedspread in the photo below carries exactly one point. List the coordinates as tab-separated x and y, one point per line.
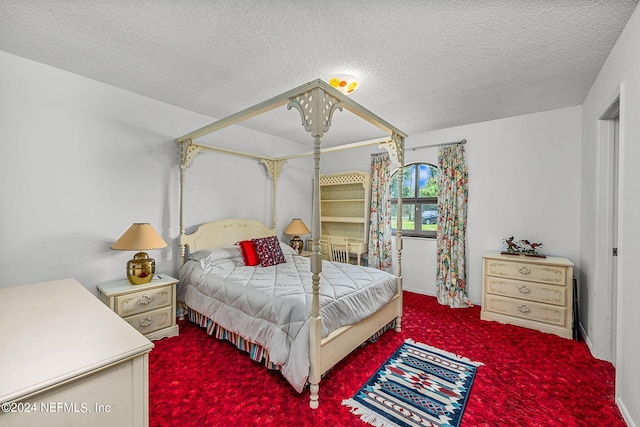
271	306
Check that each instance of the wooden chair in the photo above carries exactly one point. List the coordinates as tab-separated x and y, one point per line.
339	249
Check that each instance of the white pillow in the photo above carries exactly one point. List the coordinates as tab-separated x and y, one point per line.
224	252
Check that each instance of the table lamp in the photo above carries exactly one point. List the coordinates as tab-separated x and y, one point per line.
295	228
140	237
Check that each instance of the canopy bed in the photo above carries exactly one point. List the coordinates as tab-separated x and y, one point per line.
295	283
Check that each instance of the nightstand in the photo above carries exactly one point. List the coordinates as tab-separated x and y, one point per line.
149	308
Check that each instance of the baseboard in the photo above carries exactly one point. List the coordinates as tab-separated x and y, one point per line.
625	413
585	337
619	402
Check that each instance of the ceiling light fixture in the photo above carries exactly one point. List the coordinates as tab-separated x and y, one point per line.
345	83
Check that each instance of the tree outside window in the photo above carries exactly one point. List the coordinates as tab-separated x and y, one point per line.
419	200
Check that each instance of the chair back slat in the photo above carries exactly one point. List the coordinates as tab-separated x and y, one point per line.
339	249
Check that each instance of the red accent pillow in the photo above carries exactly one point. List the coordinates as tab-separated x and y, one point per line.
269	251
249	253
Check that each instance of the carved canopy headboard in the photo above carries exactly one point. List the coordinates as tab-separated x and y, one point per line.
222	233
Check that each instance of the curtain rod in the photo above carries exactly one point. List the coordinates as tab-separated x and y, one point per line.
462	141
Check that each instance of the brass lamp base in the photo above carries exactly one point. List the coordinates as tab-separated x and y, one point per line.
297	244
140	269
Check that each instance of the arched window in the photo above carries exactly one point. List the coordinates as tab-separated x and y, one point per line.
419	200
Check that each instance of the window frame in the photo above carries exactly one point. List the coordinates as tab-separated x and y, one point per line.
418	202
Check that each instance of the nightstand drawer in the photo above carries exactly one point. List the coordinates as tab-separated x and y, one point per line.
551	314
143	301
525	271
537	292
152	320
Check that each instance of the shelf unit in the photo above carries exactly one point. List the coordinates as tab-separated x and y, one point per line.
344	208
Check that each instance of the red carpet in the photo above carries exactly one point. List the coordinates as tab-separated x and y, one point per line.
528	378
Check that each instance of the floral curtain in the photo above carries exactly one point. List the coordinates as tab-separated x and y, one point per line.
451	279
380	214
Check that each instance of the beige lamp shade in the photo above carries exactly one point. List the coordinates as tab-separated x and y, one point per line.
140	237
296	227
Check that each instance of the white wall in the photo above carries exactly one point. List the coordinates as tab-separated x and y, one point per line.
523	181
81	160
619	75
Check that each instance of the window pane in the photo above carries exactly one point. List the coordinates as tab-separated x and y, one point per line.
409	181
429	217
420	199
408	214
428	180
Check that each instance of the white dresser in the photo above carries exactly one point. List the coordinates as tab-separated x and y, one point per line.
150	308
67	360
532	292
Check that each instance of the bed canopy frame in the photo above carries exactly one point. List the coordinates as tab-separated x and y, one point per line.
316	101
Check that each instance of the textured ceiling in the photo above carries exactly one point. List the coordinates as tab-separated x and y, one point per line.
424	65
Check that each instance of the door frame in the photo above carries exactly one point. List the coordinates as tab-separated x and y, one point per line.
606	294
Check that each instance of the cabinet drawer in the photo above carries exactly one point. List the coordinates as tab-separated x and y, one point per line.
537	292
151	321
525	271
139	302
546	313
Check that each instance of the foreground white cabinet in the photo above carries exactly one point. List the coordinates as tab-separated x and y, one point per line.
67	360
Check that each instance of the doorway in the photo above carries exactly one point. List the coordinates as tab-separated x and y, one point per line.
611	149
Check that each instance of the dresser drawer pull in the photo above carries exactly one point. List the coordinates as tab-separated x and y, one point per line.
524	289
524	308
145	322
145	299
524	270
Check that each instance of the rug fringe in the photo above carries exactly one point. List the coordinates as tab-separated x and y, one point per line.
443	352
366	415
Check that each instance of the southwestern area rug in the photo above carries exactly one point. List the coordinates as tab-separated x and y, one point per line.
418	385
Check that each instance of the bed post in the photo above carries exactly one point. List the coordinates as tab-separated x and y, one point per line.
274	167
316	108
315	324
187	152
399	143
395	148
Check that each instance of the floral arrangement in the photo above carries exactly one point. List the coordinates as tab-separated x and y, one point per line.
521	247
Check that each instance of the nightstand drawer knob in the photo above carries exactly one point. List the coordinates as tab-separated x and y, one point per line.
524	270
145	322
524	289
524	308
145	299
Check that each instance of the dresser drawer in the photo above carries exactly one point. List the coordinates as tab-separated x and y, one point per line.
550	314
152	321
530	291
139	302
526	271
